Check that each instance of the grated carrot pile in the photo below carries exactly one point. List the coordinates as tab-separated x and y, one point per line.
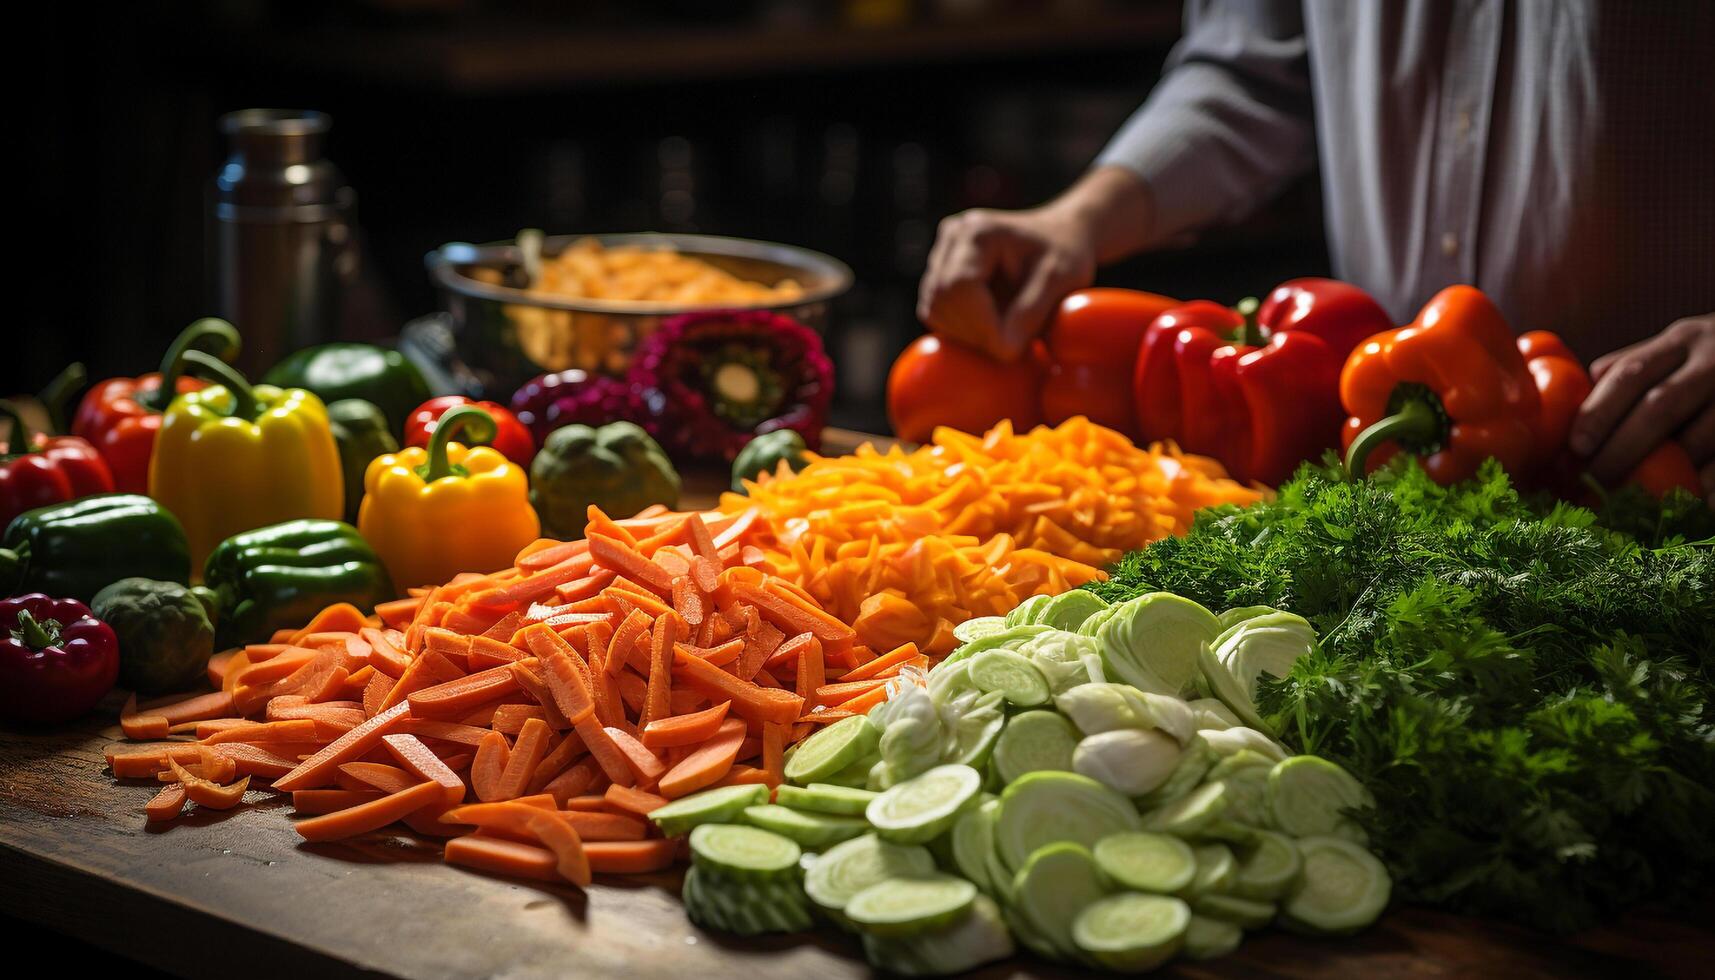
534	714
906	545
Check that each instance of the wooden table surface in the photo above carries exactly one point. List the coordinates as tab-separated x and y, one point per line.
213	890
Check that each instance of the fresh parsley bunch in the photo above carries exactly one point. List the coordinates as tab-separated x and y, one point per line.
1525	686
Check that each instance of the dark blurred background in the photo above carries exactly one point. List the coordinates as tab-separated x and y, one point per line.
848	126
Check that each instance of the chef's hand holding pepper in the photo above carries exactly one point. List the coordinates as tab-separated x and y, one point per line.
995	277
1645	394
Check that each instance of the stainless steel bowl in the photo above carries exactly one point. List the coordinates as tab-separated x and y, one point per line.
505	335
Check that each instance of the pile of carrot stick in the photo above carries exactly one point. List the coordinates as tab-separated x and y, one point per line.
535	715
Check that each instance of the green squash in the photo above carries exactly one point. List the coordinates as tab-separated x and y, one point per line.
766	452
617	467
165	635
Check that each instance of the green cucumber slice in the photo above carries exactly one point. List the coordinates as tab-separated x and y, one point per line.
924	806
1342	889
1207	939
746	853
1217	869
1229	831
811	831
1245	913
825	798
1191	813
973	843
1270	869
832	749
1194	762
1308	796
1034	741
978	937
714	901
1055	884
1044	808
1012	676
1247	791
907	906
1239	761
1132	932
1146	862
1010	638
848	868
720	805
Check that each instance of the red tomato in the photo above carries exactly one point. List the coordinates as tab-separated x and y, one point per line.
1092	349
511	437
938	382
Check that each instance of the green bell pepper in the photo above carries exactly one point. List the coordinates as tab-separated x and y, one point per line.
383	377
360	431
765	453
282	575
616	467
165	636
73	550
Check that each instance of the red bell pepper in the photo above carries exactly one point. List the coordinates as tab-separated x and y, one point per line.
1092	349
512	438
1562	384
937	382
120	416
1255	387
53	470
56	660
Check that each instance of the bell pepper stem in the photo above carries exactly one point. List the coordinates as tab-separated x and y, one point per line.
37	635
1250	332
210	334
214	369
18	434
478	424
1417	421
58	392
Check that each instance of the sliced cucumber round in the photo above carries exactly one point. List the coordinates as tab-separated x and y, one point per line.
1034	741
979	936
924	806
720	805
745	853
1194	762
715	901
973	842
1012	676
1217	869
1146	862
832	749
906	906
1191	813
848	868
1342	889
825	798
1055	884
1309	796
1049	807
811	831
1245	913
1132	932
1270	869
1207	939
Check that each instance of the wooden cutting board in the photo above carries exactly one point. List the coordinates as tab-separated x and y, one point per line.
238	893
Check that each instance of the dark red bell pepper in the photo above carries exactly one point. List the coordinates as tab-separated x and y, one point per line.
46	470
1256	387
120	416
511	438
56	660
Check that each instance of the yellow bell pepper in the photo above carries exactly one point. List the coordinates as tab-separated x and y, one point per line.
433	513
232	457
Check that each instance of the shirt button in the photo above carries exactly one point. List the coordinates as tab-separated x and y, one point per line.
1449	244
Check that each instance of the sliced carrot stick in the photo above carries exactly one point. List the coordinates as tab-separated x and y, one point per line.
550	554
748	699
692	729
561	838
384	654
568	750
630	857
612	553
219	664
446	731
542	694
880	665
487	651
564	671
386	778
811	669
319	767
167	804
761	640
607	755
577	778
666	633
684	700
430	668
510	718
793	617
263	762
452	699
832	694
823	716
503	857
743	775
316	802
527	753
399	612
366	817
375	693
594	825
708	763
142	727
215	705
503	815
773	752
488	766
537	585
688	602
720	656
625	640
645	765
207	793
861	704
628	799
341	617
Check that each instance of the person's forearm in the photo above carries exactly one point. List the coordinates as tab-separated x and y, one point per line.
1114	209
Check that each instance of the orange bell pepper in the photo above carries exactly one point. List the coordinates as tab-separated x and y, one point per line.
938	382
1450	387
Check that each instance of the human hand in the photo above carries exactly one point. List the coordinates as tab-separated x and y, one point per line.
1651	391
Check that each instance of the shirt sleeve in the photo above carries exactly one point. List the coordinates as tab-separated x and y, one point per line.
1230	122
